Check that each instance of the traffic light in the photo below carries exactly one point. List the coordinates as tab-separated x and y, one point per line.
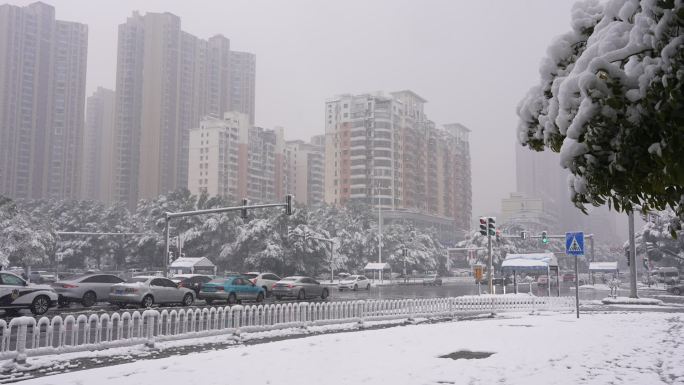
483	226
545	237
491	225
288	204
404	252
243	210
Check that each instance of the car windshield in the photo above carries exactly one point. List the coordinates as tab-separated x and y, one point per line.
250	275
137	279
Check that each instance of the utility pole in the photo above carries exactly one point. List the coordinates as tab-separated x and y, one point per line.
491	266
379	233
632	259
488	228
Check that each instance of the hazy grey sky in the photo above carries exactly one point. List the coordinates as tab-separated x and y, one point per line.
472	60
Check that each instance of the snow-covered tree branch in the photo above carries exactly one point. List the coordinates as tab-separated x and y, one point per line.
610	101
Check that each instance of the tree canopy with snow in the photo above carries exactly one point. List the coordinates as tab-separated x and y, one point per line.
610	101
260	242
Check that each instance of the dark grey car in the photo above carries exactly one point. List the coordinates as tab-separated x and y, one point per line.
300	288
87	289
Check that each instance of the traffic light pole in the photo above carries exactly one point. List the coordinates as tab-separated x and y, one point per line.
168	216
632	259
489	269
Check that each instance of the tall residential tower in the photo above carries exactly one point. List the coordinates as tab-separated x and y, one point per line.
167	80
42	96
384	151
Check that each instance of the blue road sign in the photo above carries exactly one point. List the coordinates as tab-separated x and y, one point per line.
574	243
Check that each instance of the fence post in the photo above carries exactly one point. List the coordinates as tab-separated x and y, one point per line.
21	339
148	316
412	311
361	309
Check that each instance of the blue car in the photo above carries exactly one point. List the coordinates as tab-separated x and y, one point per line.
231	289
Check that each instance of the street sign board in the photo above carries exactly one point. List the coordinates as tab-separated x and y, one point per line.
574	243
477	272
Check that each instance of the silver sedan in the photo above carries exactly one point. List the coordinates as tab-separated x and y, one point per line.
146	291
299	287
87	289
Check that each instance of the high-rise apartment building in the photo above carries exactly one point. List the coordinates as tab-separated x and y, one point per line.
42	95
229	157
305	163
383	150
167	80
98	146
265	180
243	83
214	157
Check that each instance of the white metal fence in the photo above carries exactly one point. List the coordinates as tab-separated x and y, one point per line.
26	336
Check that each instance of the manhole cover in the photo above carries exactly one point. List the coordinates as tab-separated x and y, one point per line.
466	355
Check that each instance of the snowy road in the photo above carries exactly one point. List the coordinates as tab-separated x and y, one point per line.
644	348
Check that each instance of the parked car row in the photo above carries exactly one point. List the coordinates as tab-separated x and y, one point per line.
148	290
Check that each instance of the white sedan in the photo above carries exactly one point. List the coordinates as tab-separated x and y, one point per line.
15	294
354	282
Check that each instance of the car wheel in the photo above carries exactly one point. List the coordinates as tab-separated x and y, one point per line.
62	302
278	297
676	291
147	301
368	287
188	300
260	297
40	305
89	299
232	299
209	301
301	295
356	287
324	294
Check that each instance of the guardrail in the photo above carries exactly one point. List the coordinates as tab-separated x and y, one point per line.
24	337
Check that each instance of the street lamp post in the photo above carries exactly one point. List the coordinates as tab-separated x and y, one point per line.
379	234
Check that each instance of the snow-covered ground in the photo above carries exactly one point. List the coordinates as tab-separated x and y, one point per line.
632	348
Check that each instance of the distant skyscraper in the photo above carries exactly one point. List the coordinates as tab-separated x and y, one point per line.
305	164
214	157
98	146
383	150
42	95
167	80
243	83
539	175
265	166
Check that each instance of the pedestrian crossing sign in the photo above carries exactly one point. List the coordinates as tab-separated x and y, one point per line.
574	243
